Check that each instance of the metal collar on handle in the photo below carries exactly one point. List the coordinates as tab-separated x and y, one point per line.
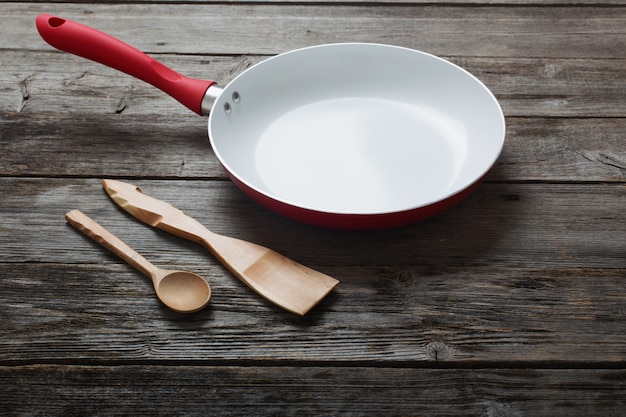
211	94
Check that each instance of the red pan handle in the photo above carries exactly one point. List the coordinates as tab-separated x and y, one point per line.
92	44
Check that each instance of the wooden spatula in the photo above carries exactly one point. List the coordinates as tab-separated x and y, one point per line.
280	280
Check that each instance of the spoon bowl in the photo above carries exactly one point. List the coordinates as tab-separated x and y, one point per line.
181	291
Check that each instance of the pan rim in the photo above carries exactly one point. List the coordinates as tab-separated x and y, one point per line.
497	145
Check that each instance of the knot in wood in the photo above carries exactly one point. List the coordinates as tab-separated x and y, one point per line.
438	351
403	277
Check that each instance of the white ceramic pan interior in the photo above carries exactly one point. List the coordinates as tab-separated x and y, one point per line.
357	128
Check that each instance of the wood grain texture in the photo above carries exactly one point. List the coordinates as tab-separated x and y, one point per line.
502	278
528	87
509	304
163	391
440	3
213	29
388	316
141	132
177	147
500	224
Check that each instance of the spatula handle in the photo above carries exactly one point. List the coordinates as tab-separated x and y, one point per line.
107	239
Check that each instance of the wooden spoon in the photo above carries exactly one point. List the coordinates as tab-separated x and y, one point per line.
182	291
278	279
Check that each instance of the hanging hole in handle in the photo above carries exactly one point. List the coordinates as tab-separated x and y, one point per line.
55	22
227	107
236	97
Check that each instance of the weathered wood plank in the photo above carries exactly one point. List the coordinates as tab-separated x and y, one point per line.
176	146
101	310
48	82
311	391
386	3
565	225
558	32
538	149
116	124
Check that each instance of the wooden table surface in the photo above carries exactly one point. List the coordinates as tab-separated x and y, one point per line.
510	304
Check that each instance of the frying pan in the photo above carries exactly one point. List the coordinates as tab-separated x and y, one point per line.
347	136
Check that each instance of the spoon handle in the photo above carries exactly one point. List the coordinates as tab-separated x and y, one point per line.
107	239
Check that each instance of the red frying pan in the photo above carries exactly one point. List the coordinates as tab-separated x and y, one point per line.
348	136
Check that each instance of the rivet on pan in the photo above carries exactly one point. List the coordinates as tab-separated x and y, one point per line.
227	107
236	97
